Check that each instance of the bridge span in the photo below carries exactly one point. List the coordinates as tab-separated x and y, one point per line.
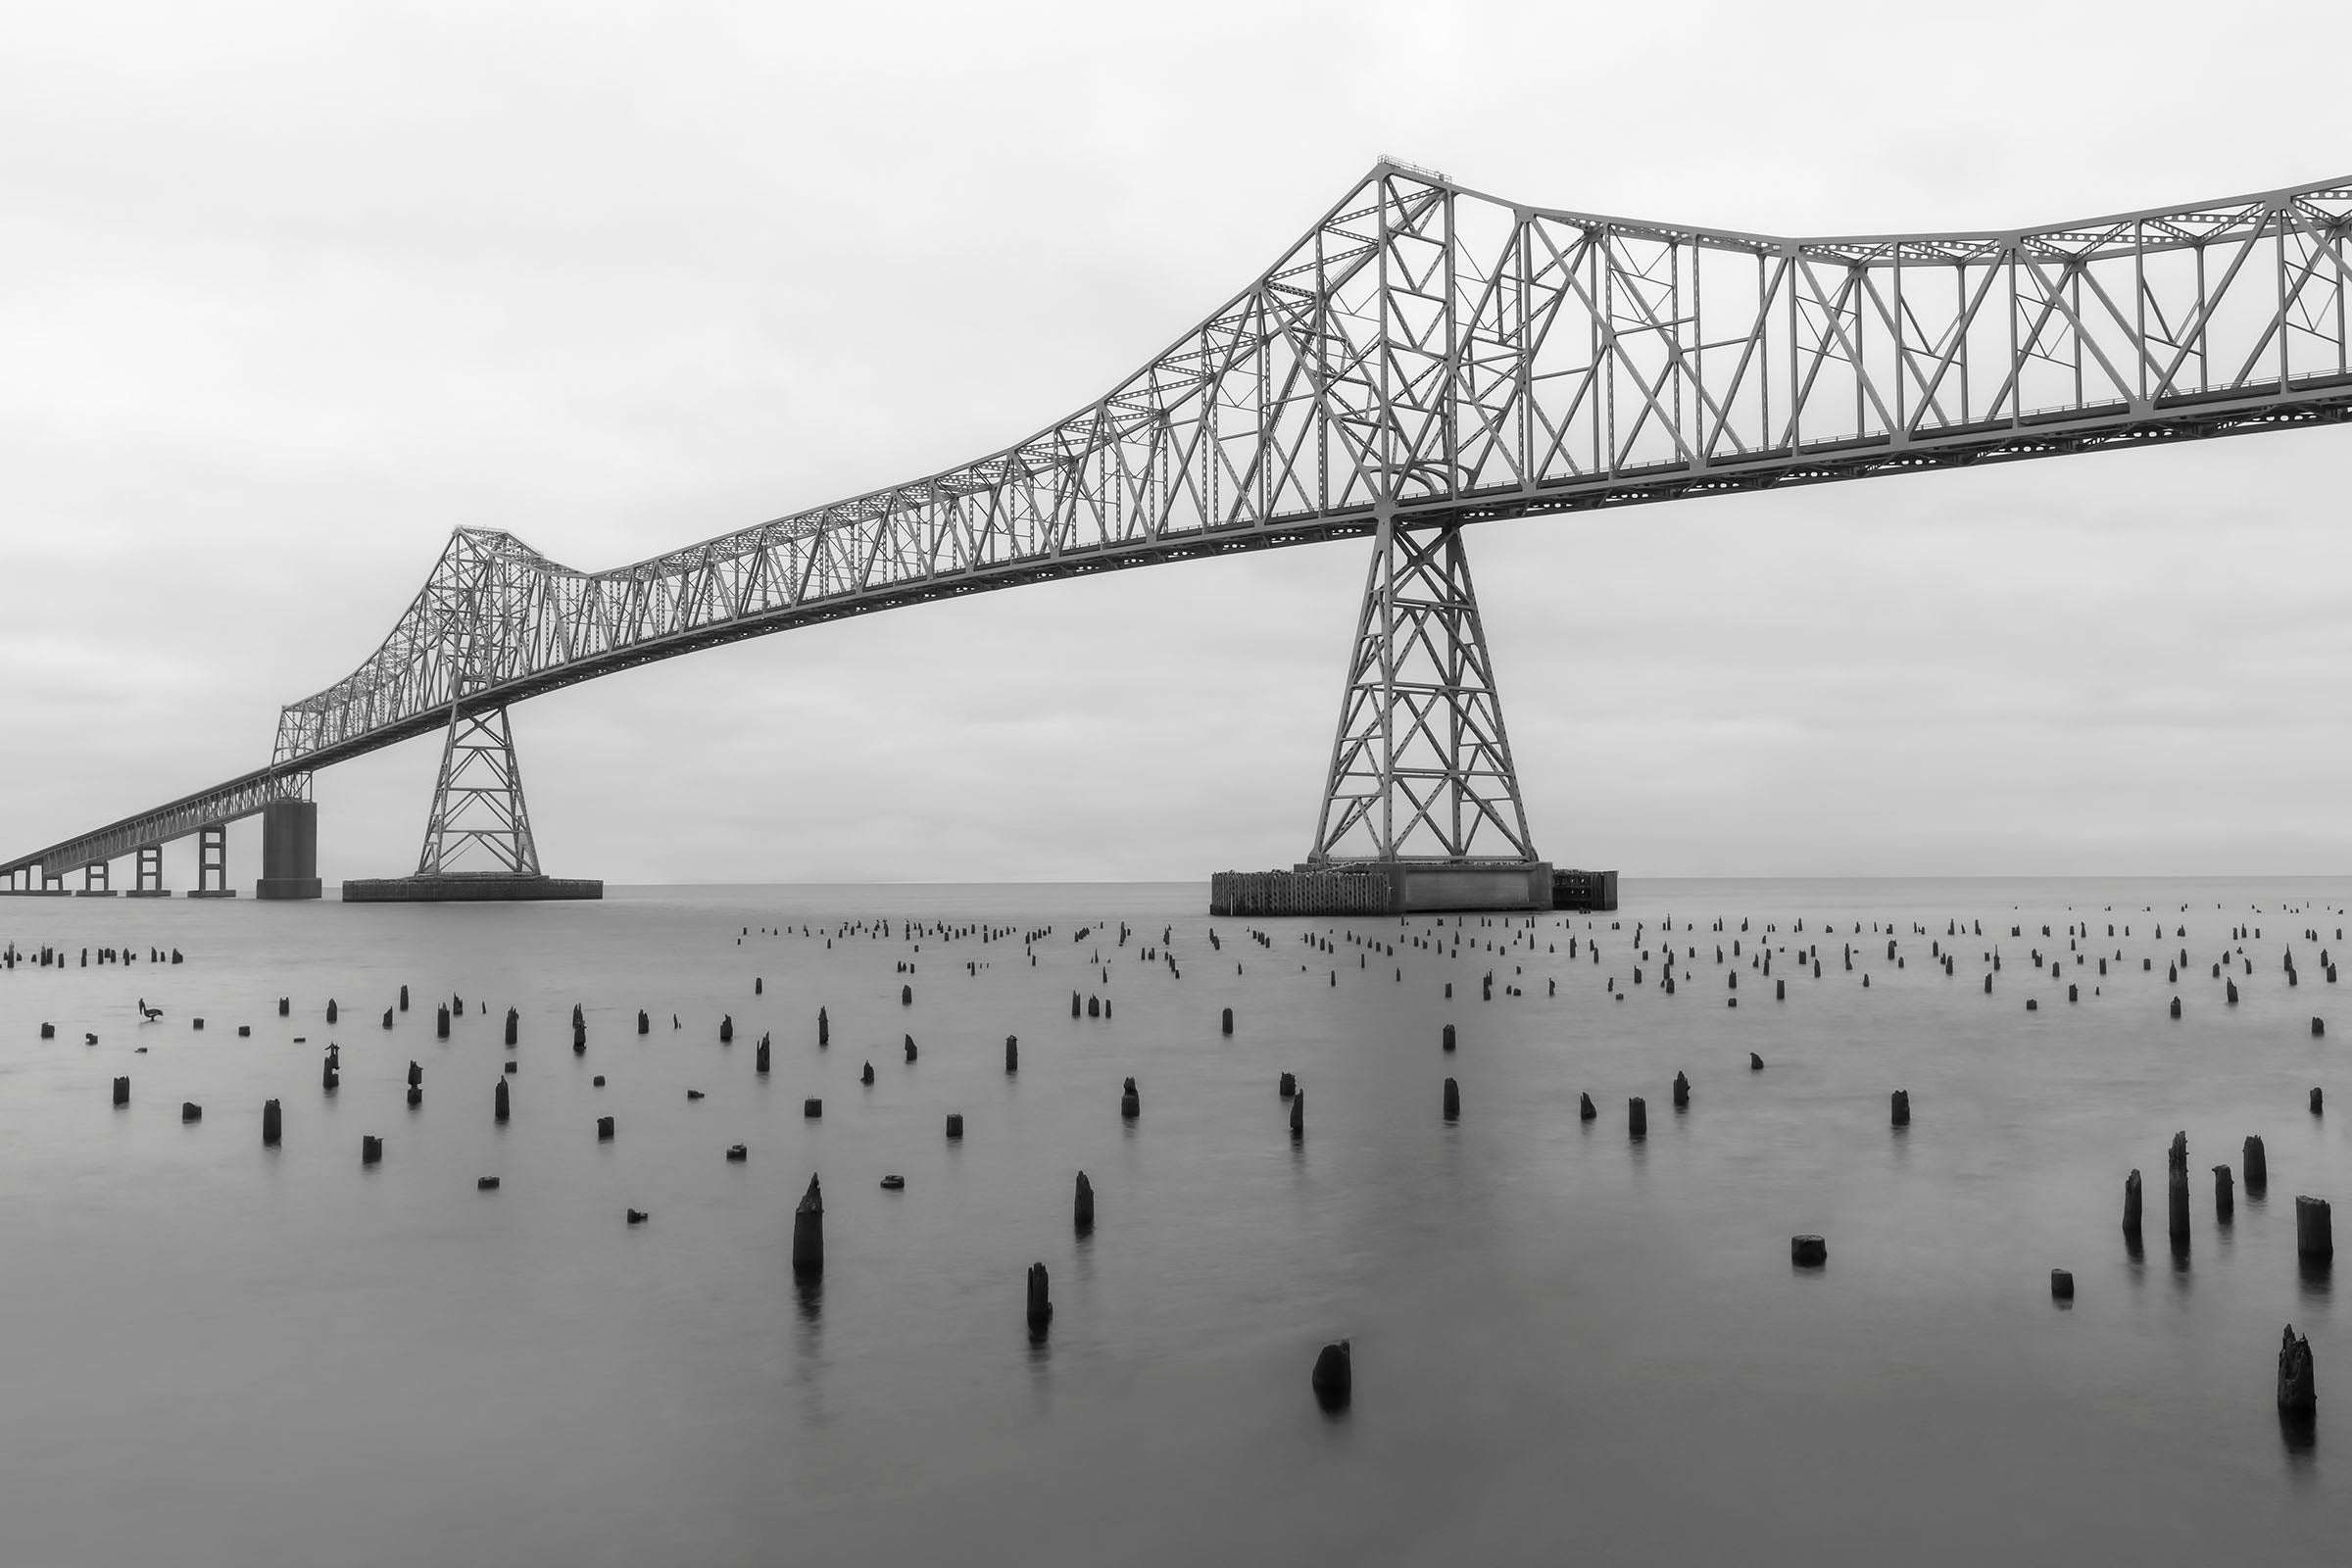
1425	357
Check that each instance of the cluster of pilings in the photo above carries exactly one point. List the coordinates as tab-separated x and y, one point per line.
1655	960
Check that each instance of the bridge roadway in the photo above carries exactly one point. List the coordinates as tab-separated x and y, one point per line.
1435	354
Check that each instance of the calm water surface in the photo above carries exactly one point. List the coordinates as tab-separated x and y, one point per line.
1567	1344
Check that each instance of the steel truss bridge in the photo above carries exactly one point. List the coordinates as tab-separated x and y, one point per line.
1425	357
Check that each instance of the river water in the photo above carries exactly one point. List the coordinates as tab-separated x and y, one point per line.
1567	1344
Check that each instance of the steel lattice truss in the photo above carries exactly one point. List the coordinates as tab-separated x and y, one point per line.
1453	357
479	821
1421	768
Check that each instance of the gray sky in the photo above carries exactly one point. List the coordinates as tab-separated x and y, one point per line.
291	290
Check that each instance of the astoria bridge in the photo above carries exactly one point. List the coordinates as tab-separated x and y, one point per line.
1426	357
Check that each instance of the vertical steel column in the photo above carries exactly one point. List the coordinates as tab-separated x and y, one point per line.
1421	766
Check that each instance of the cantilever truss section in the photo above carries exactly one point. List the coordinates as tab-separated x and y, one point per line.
1421	768
479	821
1437	354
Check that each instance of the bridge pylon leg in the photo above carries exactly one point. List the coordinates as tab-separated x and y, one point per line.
479	820
96	881
1422	788
212	863
149	882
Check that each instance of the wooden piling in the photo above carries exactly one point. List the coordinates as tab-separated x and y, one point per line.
1334	1378
2298	1385
1041	1302
809	1232
2314	1235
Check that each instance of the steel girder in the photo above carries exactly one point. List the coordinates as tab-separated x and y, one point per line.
1449	355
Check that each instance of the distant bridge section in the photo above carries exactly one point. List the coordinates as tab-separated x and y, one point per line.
1427	353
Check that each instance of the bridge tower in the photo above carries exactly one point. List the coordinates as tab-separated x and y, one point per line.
1422	792
479	845
478	811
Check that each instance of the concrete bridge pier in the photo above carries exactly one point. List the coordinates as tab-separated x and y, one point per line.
94	880
150	879
289	850
212	863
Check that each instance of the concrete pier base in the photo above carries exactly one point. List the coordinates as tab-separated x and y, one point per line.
470	887
1385	887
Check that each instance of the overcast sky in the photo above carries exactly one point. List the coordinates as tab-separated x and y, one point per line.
289	291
